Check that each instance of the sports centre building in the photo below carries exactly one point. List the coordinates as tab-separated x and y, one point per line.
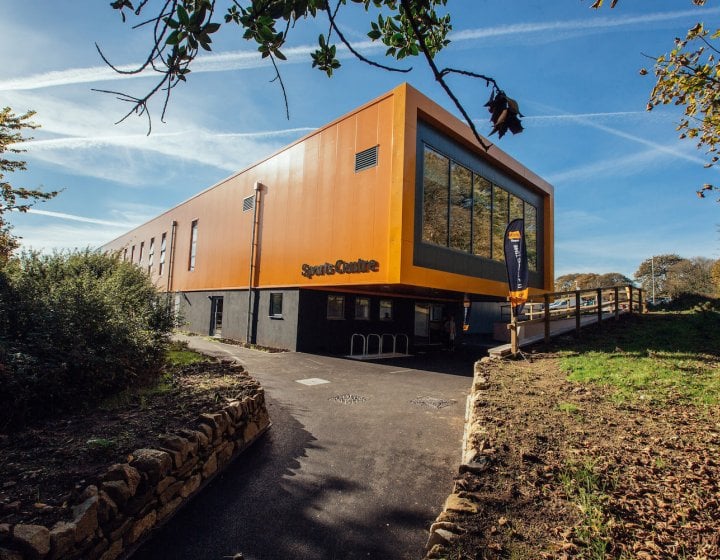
383	222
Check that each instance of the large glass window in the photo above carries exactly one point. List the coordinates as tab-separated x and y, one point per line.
460	207
163	246
362	308
435	198
193	244
482	211
386	310
464	211
499	222
336	307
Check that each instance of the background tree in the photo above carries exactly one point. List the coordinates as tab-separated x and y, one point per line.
661	264
590	280
715	275
690	276
13	198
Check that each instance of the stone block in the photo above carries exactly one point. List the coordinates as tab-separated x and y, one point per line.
97	550
456	504
210	466
32	539
225	453
152	462
250	431
107	508
121	529
192	484
85	517
114	552
169	508
7	554
140	527
164	483
441	537
187	468
170	492
137	503
118	490
207	431
126	473
62	539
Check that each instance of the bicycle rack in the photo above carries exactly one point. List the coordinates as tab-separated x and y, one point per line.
382	341
352	344
379	342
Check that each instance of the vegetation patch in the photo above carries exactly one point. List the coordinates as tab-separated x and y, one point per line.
570	471
660	358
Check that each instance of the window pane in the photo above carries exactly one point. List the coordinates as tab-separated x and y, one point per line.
531	235
193	244
482	207
163	245
436	169
276	305
336	307
151	255
460	207
499	221
362	308
386	310
516	208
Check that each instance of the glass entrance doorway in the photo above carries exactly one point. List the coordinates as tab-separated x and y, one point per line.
216	316
428	323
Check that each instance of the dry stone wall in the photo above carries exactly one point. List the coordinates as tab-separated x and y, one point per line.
475	450
111	518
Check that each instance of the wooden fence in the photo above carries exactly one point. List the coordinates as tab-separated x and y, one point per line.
601	302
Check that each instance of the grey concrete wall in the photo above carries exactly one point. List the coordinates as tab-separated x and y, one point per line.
195	309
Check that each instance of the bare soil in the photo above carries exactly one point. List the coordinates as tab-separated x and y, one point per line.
43	467
570	474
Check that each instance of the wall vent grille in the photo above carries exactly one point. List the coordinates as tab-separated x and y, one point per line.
366	159
248	203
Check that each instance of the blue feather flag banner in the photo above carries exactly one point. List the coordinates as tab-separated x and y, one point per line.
516	264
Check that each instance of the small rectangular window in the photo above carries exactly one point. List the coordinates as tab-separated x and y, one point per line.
142	251
151	255
125	254
132	254
163	246
193	245
386	310
362	309
336	307
276	305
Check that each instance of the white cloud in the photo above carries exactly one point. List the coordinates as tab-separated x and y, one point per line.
84	219
50	237
613	166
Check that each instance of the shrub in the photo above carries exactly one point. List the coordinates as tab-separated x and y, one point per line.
75	327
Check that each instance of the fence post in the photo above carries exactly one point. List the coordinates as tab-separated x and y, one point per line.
577	313
547	318
630	299
617	302
599	307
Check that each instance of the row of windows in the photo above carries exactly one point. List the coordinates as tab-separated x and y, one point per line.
336	308
163	251
464	211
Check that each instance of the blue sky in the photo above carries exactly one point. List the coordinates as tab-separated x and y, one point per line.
624	183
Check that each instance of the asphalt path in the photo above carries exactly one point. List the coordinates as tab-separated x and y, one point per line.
357	463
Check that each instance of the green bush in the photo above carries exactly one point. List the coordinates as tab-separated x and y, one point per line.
75	327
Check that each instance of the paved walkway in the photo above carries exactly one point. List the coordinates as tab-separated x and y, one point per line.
355	467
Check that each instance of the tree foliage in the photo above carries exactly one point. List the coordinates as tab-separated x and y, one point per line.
182	29
75	327
690	276
590	280
12	198
655	269
689	76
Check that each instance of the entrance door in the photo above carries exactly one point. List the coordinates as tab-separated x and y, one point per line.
216	316
422	320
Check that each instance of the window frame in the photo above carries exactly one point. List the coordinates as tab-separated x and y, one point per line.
163	248
390	317
341	299
366	307
192	255
272	310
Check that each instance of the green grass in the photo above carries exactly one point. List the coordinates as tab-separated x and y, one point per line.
654	358
568	408
180	355
587	490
